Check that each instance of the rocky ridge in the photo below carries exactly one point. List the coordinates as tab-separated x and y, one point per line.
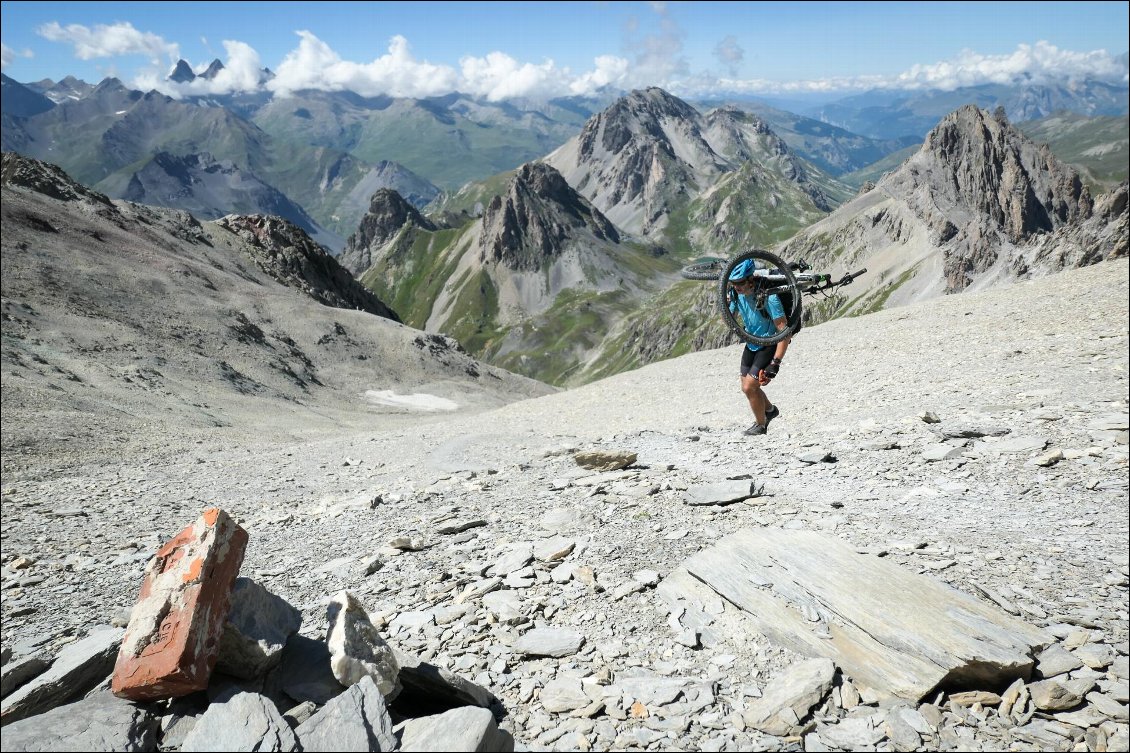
979	204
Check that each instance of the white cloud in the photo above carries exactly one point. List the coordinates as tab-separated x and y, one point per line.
1040	63
658	55
8	55
314	65
104	41
499	76
610	70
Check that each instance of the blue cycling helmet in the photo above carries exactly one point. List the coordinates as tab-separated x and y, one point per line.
743	270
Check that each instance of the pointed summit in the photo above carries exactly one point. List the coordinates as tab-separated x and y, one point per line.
639	159
388	213
533	221
182	73
213	68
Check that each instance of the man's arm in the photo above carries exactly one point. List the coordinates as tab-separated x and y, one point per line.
784	344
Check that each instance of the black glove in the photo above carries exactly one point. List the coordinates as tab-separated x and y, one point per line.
772	369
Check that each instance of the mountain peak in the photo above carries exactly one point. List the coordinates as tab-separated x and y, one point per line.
213	68
182	72
977	160
536	217
388	213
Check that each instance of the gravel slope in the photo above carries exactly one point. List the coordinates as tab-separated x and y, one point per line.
1046	360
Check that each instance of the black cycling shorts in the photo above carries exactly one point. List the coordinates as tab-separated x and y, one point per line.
753	361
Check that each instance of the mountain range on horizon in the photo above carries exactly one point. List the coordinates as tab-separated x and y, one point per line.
582	237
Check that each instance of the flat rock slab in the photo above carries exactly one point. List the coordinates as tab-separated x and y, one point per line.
797	689
246	722
554	642
357	720
78	668
468	729
101	722
1018	445
426	685
723	492
896	632
173	637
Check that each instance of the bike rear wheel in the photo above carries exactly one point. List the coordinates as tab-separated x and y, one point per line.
705	269
785	287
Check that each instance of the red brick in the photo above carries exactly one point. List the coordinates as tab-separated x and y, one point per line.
173	638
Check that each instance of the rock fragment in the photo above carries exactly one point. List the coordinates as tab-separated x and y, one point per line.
463	729
790	696
78	668
604	460
258	627
356	647
100	722
245	722
554	642
356	720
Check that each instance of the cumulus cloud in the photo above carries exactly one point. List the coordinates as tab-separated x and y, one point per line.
314	65
1040	63
499	76
104	41
9	56
608	70
730	53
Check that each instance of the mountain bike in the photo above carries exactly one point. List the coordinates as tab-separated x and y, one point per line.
772	276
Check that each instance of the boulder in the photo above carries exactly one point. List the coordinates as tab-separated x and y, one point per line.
356	720
257	630
100	722
245	722
356	647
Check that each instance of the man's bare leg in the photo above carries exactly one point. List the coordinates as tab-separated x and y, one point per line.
758	401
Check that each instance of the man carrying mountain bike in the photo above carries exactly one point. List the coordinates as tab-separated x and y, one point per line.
760	364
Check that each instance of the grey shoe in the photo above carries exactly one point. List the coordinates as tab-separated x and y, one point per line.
770	415
754	431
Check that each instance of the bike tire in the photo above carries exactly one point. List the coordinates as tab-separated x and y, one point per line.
707	270
766	260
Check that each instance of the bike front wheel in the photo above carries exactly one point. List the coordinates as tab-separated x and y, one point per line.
708	268
776	278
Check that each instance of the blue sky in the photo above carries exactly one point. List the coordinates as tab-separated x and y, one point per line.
499	50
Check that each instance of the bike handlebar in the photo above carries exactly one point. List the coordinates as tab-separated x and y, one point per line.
849	277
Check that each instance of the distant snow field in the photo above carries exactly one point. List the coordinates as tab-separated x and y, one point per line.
417	401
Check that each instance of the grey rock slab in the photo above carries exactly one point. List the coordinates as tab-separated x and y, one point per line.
18	672
467	729
933	454
797	688
1053	695
505	605
1018	445
78	668
304	672
560	519
819	455
896	632
564	694
1095	655
903	729
1108	706
970	431
430	686
553	549
855	733
357	720
98	723
555	642
245	722
459	525
722	493
357	648
1056	660
257	630
512	560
